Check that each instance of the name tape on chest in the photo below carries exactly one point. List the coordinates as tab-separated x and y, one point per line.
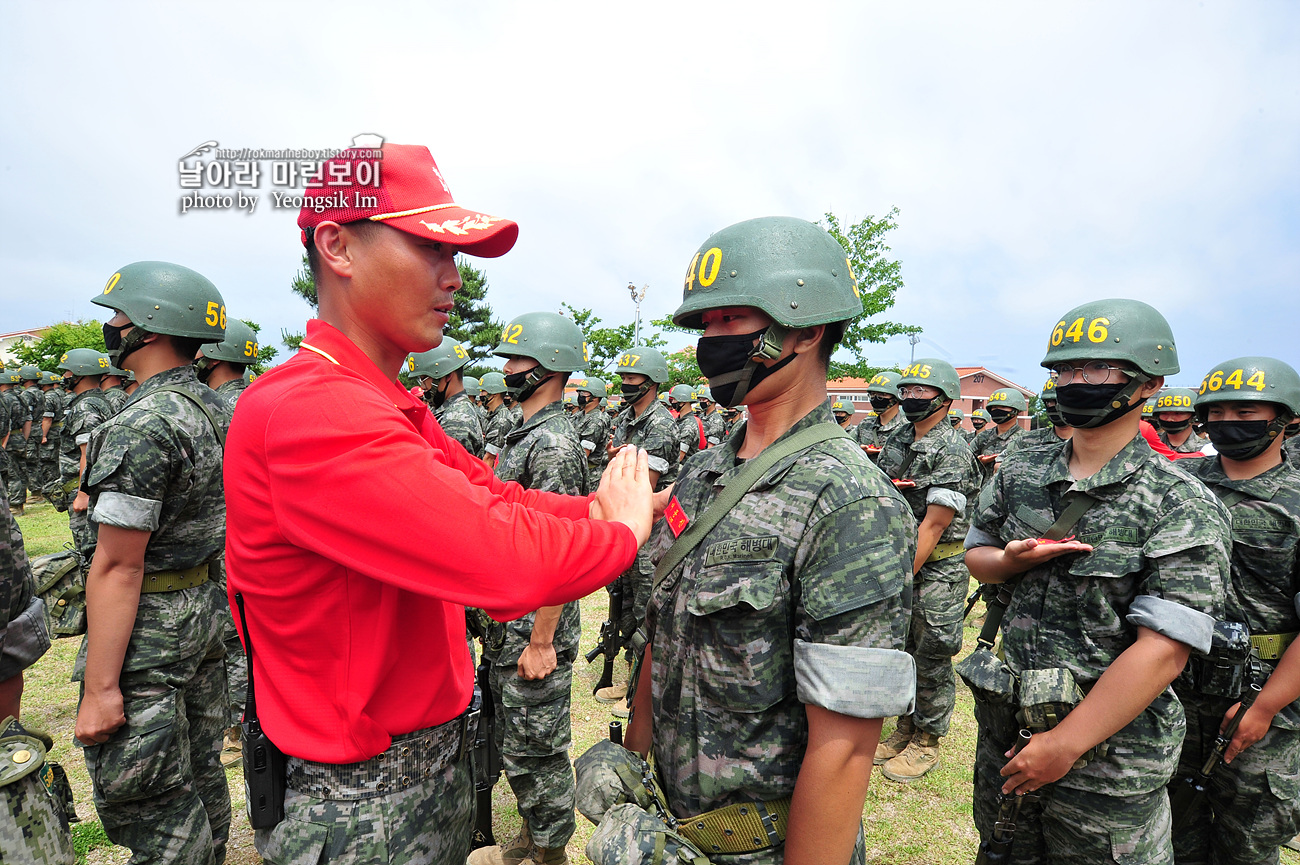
741	550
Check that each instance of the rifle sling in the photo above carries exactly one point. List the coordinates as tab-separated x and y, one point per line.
742	482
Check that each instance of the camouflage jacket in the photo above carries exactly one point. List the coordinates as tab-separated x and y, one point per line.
16	407
593	430
516	415
5	421
943	468
56	401
542	454
715	428
690	426
155	466
458	419
816	557
1265	553
656	431
872	432
1191	445
23	636
990	441
34	399
116	397
499	424
1033	438
231	390
86	412
1160	560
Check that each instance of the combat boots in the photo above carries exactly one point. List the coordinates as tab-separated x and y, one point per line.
612	694
519	850
548	856
919	757
897	741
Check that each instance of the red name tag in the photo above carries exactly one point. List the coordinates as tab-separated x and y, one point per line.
676	517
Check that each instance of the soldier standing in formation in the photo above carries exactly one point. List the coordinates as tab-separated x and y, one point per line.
843	414
1059	430
955	417
34	400
222	365
152	665
531	658
438	371
872	431
1098	627
690	426
1004	407
592	426
112	385
87	410
1172	414
817	549
1252	804
55	400
932	466
15	443
978	420
499	421
715	427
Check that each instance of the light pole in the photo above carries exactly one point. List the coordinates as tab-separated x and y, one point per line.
637	297
913	338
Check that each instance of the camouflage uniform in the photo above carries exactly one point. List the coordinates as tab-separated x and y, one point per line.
86	412
236	662
231	390
689	428
872	432
16	448
33	827
1291	449
990	441
1160	560
516	416
116	397
34	398
159	786
1033	438
656	431
4	431
715	428
945	474
533	727
499	424
48	453
817	556
1191	445
458	419
1252	804
592	429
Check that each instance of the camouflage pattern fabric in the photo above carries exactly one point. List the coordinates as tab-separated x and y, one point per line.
231	390
116	397
1034	438
689	427
159	785
33	827
34	398
945	473
593	429
85	413
4	433
820	550
426	824
25	637
872	432
48	451
499	424
715	428
16	447
458	419
236	661
1252	804
989	441
1291	449
1157	535
516	415
533	727
1192	444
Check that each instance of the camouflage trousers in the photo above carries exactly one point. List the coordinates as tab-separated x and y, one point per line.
1251	806
47	458
17	488
427	824
236	661
159	786
84	532
533	735
934	637
637	581
1066	826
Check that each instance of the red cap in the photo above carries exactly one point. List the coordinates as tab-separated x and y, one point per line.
408	193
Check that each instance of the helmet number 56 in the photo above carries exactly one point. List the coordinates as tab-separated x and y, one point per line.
216	316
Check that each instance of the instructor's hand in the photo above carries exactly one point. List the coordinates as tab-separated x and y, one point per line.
625	495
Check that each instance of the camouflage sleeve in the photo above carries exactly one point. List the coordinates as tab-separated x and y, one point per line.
662	444
990	516
128	478
24	637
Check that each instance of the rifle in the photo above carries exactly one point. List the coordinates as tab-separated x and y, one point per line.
611	641
1190	790
487	760
970	602
997	848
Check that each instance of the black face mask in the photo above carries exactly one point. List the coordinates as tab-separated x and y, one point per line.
585	399
1083	406
731	363
917	409
880	402
1242	439
633	392
979	423
118	348
1002	415
1292	429
68	383
203	368
1054	415
438	393
1173	426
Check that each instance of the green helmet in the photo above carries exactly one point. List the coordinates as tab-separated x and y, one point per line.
472	386
13	376
932	372
438	362
791	269
30	372
166	298
570	399
884	382
594	386
838	407
703	394
646	361
682	393
239	345
48	377
956	414
1115	329
555	342
979	414
1251	379
1049	390
1149	407
493	382
85	361
1007	397
1175	399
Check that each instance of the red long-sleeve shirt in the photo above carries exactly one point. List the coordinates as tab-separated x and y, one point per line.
357	531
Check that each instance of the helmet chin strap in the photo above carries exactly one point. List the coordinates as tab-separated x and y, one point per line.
769	348
1118	407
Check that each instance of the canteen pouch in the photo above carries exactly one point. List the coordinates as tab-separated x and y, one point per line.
631	835
609	775
33	823
61	584
1046	697
1222	672
987	676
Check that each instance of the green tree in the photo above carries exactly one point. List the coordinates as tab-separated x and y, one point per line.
606	344
303	285
683	368
879	278
60	338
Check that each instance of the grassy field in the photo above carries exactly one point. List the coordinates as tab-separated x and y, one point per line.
925	823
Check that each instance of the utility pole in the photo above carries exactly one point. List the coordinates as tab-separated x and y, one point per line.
637	297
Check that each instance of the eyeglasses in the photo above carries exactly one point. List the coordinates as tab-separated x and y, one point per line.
918	392
1092	372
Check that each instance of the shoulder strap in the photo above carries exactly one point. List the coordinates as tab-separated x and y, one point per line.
203	407
742	482
1074	511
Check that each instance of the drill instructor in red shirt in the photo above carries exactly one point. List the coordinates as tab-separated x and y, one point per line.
357	531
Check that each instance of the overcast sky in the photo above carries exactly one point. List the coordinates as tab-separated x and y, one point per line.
1041	155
